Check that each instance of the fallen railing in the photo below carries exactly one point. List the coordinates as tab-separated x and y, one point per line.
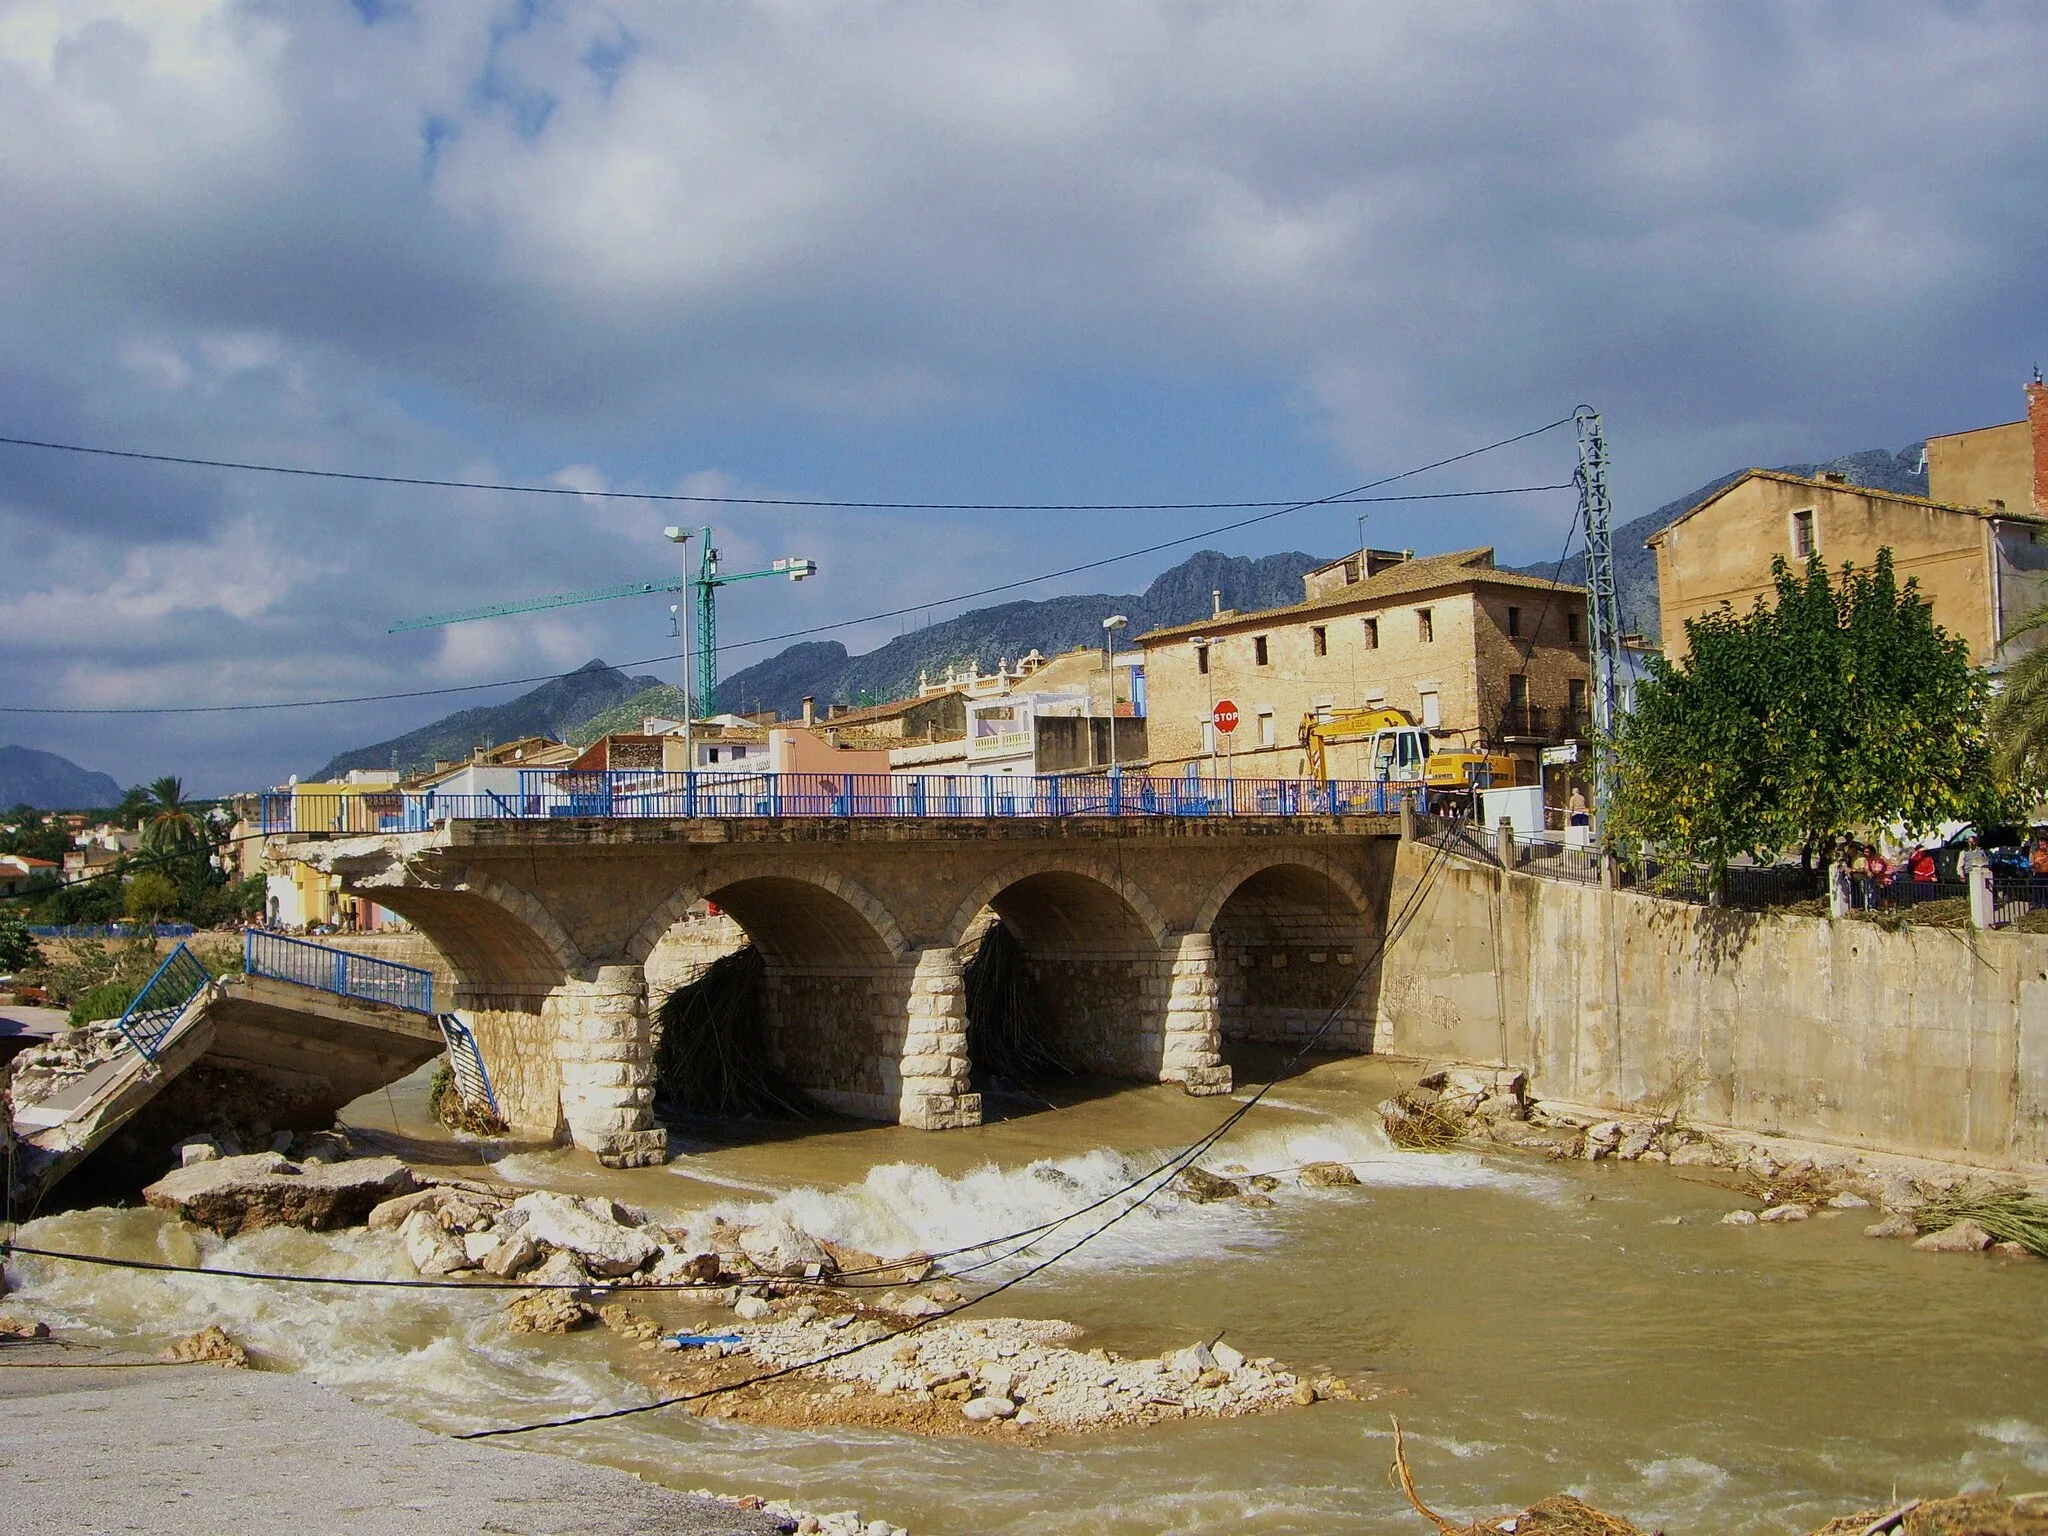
339	971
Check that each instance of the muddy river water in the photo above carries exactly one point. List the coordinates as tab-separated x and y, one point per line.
1539	1327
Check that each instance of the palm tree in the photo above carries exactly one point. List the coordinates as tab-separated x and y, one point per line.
133	807
2018	722
172	829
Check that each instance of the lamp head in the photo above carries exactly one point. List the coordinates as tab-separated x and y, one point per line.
676	535
1115	621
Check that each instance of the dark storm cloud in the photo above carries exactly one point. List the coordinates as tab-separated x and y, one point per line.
450	238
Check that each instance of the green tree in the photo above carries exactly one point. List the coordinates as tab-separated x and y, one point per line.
1839	705
134	807
2019	715
151	896
18	947
171	827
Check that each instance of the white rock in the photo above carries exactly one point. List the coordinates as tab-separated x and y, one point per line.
605	1247
431	1247
1785	1213
1636	1143
752	1309
1226	1358
561	1268
1739	1219
480	1245
197	1149
919	1306
879	1528
1695	1154
1847	1201
982	1409
999	1381
777	1247
516	1251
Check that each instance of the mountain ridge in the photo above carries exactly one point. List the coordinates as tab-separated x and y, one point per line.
52	783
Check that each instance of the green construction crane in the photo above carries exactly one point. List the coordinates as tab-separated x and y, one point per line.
703	589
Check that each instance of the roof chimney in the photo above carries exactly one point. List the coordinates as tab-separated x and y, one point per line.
2037	415
1215	602
810	711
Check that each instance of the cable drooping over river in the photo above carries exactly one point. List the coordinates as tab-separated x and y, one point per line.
1146	1185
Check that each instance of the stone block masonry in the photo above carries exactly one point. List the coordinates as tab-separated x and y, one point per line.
550	930
604	1042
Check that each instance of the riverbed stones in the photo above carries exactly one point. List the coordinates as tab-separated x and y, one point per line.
1324	1176
1848	1200
1696	1154
980	1410
232	1195
516	1252
209	1346
433	1249
1739	1219
1898	1224
752	1309
1203	1187
547	1312
778	1247
1961	1237
1789	1212
1636	1141
590	1229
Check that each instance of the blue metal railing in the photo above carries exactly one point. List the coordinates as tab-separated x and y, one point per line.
111	930
168	992
466	1062
549	794
337	971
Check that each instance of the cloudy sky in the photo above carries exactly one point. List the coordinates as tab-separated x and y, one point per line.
1072	250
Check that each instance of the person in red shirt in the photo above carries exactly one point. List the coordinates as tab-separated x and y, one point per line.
1921	866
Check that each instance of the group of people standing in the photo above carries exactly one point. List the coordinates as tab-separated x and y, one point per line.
1915	876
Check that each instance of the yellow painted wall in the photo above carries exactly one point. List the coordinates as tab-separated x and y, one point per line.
1722	553
1974	469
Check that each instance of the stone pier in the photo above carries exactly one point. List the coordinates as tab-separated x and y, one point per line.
604	1042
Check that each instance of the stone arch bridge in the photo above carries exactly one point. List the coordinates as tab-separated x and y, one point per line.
1150	943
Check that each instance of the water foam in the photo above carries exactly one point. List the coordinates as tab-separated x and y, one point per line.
437	1354
901	1208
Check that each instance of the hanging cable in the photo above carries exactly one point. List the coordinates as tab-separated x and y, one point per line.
820	629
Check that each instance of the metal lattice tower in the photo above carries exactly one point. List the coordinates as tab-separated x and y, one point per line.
1603	615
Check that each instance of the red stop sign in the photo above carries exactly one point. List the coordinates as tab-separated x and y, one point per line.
1225	716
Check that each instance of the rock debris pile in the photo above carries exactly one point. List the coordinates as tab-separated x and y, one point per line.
44	1070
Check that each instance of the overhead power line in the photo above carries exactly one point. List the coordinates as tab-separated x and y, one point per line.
729	501
1353	496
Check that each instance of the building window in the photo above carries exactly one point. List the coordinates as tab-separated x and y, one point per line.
1571	626
1202	659
1432	711
1518	691
1319	638
1372	634
1514	621
1575	695
1425	628
1803	544
1266	728
1258	650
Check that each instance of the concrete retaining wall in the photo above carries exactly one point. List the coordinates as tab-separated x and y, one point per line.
1930	1042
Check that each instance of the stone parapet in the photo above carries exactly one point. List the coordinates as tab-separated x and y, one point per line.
605	1046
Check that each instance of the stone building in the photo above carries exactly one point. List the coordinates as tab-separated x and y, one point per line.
1474	653
1977	543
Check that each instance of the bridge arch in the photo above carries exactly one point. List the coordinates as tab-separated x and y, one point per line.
1093	971
1295	938
760	882
836	975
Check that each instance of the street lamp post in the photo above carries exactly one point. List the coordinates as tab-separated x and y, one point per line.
680	537
1110	626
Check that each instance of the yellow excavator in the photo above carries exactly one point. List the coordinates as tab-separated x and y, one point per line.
1402	752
